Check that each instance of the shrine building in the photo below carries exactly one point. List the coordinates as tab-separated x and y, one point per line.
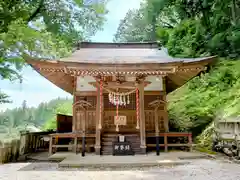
119	92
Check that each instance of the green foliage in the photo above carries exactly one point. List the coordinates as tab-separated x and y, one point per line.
44	29
204	140
134	27
64	108
4	98
20	119
186	39
194	106
186	28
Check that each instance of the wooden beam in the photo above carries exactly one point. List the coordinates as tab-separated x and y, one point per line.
176	79
94	93
121	67
123	85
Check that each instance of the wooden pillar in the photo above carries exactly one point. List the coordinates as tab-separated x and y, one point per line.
166	125
74	100
157	131
84	113
84	132
165	142
190	142
50	145
142	118
98	131
235	128
75	144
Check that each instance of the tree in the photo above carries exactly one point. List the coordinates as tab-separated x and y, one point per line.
140	24
4	98
186	28
153	10
44	116
44	28
217	36
134	27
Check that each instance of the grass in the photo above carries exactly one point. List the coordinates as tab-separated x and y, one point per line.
204	150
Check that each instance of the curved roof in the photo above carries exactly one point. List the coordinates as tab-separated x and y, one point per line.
124	53
92	59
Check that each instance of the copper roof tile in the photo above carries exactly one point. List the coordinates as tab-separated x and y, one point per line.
123	53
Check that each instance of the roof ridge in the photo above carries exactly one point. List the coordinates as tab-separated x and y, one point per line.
120	45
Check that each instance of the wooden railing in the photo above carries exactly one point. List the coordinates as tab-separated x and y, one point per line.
175	135
27	143
75	146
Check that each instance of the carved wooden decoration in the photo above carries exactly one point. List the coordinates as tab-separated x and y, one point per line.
80	107
82	104
156	104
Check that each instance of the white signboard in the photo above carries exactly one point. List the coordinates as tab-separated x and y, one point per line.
121	138
121	120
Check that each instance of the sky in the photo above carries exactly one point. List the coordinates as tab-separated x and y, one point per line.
36	89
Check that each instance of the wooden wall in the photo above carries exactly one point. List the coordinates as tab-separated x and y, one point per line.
129	111
89	116
64	123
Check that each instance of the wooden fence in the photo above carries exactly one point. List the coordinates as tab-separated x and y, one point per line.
26	144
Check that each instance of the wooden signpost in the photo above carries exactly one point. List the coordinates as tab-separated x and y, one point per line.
122	147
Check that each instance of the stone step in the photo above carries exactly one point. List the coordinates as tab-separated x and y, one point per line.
110	148
109	153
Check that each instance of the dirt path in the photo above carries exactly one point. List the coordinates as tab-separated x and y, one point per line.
197	170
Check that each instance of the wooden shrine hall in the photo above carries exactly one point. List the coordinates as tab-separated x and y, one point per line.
119	92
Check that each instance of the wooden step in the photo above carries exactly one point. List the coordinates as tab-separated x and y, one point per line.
107	141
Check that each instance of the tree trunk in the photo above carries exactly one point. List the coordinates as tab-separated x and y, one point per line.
234	9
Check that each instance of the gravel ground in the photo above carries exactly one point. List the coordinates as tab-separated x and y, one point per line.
197	170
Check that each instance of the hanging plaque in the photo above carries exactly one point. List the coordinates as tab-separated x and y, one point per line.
120	120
